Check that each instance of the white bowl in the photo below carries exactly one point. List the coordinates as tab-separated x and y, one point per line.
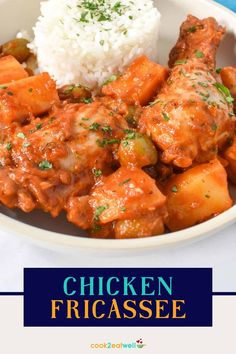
18	15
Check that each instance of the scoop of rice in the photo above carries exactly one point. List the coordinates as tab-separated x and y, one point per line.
85	42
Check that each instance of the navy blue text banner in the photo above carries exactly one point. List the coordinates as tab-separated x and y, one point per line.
136	297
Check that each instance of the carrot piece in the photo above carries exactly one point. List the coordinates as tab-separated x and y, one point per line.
32	96
11	70
139	83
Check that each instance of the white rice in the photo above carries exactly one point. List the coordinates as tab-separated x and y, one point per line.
76	48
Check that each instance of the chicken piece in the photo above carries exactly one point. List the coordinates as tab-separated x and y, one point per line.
139	84
50	160
22	99
192	117
126	204
198	36
197	195
230	157
11	70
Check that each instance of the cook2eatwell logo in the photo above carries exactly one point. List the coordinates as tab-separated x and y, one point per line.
109	345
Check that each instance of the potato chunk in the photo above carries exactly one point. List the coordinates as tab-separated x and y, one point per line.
126	194
151	224
197	195
140	82
32	96
11	70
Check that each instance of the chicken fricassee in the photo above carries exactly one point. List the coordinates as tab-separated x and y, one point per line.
150	151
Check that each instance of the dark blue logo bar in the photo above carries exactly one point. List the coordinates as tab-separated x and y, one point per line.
136	297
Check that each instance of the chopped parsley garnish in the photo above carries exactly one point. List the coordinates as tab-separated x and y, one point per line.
27	144
97	173
45	165
94	126
130	134
203	84
99	211
87	100
192	29
180	62
90	5
124	182
9	146
21	135
3	87
218	70
174	189
85	119
83	17
101	10
204	96
165	116
38	126
117	8
224	91
69	90
103	143
102	42
110	79
104	18
199	54
107	129
214	127
10	93
123	209
182	72
96	228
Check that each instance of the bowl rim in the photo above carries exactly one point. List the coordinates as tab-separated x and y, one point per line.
49	237
45	237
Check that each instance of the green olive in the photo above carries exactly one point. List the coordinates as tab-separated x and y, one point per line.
130	117
17	48
137	150
31	64
74	93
